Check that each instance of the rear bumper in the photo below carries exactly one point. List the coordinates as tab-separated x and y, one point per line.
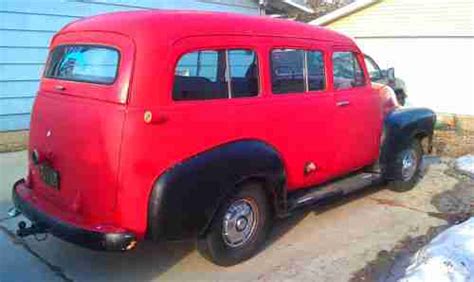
107	241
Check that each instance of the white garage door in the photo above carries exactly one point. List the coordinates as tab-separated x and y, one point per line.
438	71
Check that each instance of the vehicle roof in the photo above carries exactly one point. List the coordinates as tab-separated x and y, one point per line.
173	25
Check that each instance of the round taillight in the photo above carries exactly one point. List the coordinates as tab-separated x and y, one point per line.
147	117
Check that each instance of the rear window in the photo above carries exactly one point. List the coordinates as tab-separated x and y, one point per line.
86	63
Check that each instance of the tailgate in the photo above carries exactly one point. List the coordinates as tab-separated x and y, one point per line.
77	120
80	139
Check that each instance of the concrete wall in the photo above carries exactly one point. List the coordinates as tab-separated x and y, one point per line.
26	26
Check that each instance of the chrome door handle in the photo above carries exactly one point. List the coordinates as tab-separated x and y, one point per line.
59	87
343	103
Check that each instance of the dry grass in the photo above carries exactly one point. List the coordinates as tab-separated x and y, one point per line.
453	143
12	141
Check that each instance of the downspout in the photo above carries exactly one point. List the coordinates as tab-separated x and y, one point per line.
262	5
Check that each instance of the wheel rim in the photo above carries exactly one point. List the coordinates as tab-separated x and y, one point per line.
409	164
240	222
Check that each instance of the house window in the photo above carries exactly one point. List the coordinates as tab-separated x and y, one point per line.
347	72
216	74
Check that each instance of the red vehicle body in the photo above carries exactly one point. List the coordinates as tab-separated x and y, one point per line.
106	147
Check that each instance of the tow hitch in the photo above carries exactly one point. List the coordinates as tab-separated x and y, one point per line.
34	229
13	212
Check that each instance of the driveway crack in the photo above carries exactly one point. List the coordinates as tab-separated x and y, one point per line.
19	241
451	217
393	203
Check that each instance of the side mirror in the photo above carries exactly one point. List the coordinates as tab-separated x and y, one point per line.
391	74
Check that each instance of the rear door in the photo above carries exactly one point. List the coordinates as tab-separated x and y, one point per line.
77	120
301	110
357	119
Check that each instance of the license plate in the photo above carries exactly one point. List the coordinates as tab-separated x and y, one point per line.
49	175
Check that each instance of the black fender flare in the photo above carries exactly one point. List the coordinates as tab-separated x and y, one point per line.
185	197
400	127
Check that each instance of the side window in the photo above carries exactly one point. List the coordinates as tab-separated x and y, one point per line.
201	75
316	78
374	71
243	68
287	71
347	72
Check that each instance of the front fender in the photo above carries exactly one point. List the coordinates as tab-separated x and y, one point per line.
400	128
185	197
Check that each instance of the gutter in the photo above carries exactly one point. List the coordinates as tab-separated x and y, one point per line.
344	11
299	6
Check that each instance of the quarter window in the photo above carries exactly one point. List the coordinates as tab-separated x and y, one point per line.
374	70
347	72
243	73
210	74
86	63
287	71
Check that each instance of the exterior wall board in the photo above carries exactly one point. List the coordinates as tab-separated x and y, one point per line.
429	42
26	27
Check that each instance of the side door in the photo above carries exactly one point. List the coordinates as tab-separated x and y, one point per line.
358	116
300	109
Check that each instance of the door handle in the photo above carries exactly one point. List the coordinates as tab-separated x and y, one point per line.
343	103
59	87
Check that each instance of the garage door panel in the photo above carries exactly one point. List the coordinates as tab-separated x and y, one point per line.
438	71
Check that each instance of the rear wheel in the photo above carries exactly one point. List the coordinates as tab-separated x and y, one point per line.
407	168
239	227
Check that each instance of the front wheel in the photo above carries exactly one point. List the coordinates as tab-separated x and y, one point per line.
239	227
407	168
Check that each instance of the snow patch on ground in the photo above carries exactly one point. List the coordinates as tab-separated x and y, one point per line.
448	257
465	164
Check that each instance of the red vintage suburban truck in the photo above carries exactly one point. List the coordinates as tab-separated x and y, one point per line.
173	125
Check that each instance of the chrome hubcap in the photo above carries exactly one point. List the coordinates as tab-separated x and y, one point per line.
409	164
240	222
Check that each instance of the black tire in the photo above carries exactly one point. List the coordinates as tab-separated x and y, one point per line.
402	181
213	245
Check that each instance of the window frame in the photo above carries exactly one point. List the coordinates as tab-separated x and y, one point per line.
357	56
376	67
305	50
227	72
325	69
117	69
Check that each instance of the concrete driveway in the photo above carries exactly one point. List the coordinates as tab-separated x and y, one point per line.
369	235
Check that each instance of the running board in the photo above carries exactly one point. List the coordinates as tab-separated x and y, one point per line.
338	187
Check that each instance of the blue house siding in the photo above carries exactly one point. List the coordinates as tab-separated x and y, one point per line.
26	27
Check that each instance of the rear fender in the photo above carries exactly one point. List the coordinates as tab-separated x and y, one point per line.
185	198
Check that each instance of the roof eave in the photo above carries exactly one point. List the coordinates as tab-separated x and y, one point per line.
344	11
299	6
